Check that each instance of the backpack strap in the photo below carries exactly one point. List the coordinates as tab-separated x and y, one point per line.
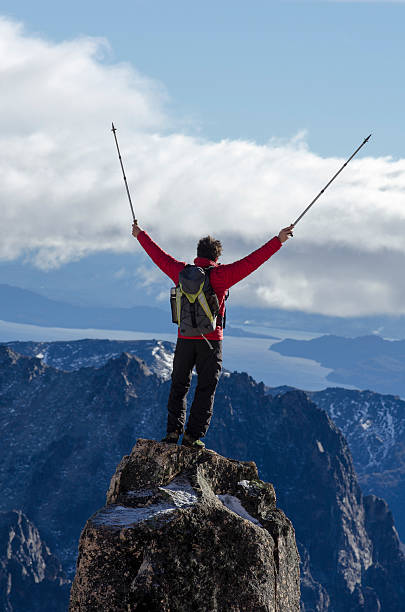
178	304
204	305
221	319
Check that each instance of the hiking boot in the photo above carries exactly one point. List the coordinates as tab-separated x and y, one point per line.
192	442
171	437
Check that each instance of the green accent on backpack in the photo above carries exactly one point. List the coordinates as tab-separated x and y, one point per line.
194	303
192	296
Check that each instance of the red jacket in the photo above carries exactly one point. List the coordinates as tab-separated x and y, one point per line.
222	277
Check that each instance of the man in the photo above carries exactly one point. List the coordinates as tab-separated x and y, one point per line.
195	351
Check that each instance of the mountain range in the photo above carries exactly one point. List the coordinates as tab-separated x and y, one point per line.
65	431
373	424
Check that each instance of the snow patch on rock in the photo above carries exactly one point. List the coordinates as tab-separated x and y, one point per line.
181	492
176	495
234	504
123	516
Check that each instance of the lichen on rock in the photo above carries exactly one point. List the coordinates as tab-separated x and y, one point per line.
187	529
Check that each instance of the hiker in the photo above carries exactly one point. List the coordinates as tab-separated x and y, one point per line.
203	351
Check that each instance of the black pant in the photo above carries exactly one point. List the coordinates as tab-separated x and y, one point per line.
208	363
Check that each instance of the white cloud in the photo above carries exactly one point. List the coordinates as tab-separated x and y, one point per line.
62	194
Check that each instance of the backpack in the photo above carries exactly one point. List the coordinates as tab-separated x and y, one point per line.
194	303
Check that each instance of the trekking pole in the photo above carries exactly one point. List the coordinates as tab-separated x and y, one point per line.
114	129
332	179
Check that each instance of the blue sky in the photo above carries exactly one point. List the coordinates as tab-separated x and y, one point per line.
257	70
231	117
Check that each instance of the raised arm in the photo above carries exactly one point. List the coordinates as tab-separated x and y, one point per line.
230	274
163	260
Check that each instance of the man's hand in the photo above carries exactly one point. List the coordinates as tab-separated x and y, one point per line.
135	229
285	233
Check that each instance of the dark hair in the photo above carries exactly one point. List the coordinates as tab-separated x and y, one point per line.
209	248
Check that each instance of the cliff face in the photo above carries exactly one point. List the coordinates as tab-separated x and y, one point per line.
386	574
31	578
185	529
340	535
374	427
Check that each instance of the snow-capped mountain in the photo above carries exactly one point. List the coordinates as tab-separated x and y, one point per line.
373	424
69	356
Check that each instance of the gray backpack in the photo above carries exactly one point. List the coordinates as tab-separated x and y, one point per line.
194	303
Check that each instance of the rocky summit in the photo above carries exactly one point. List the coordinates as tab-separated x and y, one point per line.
186	529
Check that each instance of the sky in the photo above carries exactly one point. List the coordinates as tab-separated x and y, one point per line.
231	117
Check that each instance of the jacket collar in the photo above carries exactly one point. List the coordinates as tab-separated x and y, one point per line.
203	262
